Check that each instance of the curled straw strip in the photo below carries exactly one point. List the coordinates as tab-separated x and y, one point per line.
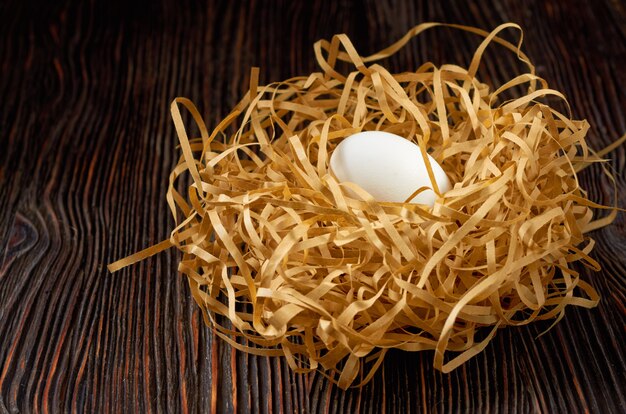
274	247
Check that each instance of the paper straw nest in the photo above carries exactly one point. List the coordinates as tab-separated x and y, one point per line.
283	261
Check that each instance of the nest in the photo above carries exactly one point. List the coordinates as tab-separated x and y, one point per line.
284	260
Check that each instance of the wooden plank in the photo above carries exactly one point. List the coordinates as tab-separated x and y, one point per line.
86	146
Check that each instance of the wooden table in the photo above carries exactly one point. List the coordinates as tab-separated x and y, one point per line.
86	146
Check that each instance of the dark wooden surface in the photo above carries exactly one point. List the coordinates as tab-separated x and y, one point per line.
86	146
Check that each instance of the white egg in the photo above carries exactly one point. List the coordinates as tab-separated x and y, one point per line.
387	166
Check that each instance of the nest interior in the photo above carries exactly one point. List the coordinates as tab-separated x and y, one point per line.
284	261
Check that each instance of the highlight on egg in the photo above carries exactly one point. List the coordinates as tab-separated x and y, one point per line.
389	167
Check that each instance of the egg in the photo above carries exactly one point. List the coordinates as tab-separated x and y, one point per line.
387	166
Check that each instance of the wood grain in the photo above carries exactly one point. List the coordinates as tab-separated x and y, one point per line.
86	146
